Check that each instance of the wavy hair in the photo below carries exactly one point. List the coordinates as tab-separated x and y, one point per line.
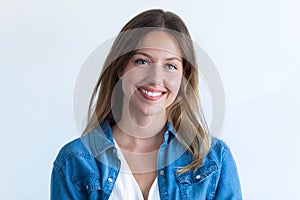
185	113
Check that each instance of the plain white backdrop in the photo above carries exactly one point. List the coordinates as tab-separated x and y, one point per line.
254	45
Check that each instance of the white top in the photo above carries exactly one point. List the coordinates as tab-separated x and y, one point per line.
126	187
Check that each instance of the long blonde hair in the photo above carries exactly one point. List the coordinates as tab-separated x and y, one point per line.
184	113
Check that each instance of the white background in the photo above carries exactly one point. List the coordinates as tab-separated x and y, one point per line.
254	44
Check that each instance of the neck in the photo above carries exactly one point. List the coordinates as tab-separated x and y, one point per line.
141	125
140	134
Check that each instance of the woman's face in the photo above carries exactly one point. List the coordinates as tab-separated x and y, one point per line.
152	77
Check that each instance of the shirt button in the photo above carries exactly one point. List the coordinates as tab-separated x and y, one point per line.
198	177
110	180
162	172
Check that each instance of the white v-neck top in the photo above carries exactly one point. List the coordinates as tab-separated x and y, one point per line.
126	187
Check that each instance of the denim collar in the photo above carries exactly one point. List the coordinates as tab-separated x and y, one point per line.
100	138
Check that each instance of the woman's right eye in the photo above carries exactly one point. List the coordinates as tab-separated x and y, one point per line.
141	62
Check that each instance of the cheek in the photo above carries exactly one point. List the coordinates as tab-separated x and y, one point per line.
173	84
130	79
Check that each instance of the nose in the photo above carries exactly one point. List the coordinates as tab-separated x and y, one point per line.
156	74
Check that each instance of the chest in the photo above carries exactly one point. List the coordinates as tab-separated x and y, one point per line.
145	181
138	172
127	187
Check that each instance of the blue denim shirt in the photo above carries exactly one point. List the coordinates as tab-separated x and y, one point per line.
87	168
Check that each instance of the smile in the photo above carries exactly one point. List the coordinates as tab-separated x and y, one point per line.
151	94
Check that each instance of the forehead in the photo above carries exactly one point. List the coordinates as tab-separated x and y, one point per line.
160	41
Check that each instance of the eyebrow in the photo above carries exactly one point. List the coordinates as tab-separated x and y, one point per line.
148	56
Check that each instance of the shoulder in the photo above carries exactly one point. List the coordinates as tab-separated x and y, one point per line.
71	150
219	152
227	172
218	145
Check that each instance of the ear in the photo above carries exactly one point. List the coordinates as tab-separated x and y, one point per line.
120	74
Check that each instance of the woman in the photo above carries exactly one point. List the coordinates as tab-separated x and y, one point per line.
146	137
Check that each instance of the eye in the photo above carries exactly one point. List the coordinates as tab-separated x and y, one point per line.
171	67
141	61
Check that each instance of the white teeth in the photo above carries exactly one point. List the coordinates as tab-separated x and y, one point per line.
151	94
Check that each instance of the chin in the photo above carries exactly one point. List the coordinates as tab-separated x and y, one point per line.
153	110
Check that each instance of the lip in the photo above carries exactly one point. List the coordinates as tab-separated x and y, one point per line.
152	89
151	93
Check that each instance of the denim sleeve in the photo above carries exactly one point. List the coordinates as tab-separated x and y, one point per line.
61	188
229	185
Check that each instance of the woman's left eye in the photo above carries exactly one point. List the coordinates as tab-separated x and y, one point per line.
171	67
